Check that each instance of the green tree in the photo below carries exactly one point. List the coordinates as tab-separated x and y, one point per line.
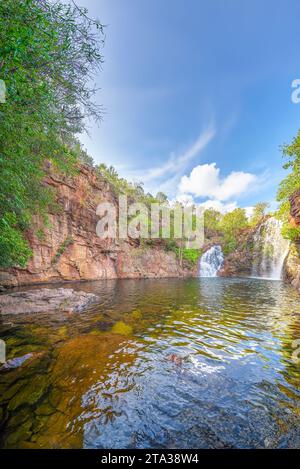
292	181
161	197
49	53
288	186
259	212
231	224
212	219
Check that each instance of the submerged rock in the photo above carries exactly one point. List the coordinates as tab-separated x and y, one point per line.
175	359
45	300
30	393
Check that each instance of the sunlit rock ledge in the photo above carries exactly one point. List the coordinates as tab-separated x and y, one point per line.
45	300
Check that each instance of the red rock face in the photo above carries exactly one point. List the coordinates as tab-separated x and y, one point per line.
292	265
239	262
69	248
295	208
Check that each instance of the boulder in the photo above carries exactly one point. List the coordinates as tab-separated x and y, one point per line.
45	300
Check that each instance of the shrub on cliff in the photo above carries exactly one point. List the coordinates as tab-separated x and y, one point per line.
230	225
289	185
49	52
259	211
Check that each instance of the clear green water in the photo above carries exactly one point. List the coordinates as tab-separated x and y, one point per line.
171	363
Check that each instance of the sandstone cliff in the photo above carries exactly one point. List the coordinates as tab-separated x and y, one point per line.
68	248
292	264
239	262
295	208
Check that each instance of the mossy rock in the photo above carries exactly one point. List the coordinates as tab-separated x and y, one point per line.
44	409
96	332
56	441
30	393
121	328
38	363
39	424
136	314
22	433
18	418
54	397
12	390
23	350
63	331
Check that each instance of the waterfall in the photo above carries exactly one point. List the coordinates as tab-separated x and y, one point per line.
211	262
269	250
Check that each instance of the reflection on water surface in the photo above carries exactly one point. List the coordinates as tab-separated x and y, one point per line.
170	363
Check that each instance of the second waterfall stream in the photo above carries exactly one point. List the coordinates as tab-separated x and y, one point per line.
267	253
269	250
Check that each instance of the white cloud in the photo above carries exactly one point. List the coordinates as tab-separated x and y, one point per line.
205	181
187	199
249	211
184	199
220	206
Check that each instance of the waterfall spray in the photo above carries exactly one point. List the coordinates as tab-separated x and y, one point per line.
271	250
211	262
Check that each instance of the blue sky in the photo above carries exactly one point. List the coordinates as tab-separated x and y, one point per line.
198	95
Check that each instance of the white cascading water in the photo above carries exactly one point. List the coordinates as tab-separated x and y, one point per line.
211	262
271	250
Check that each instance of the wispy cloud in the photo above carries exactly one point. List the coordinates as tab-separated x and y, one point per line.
175	164
166	177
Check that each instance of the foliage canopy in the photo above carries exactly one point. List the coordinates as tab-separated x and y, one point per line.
49	53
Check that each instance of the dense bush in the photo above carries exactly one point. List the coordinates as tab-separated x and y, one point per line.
288	186
49	52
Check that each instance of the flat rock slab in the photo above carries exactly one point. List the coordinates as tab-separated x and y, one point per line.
45	300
